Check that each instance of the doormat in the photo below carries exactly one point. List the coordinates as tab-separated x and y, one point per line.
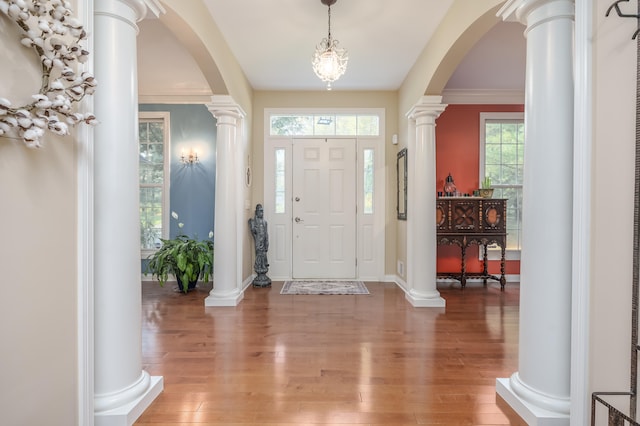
324	287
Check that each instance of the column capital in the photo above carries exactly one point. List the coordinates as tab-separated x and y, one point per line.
112	8
154	8
533	12
129	11
138	6
428	107
224	105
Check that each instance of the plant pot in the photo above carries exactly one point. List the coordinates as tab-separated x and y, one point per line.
191	286
486	192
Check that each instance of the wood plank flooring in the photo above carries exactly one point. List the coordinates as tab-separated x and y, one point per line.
330	360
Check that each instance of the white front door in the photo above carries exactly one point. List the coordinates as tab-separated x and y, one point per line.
324	208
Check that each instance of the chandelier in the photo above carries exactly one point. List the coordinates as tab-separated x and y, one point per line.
329	61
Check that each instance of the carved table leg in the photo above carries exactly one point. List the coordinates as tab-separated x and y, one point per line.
503	280
484	265
463	277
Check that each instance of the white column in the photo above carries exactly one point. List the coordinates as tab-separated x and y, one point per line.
421	204
122	389
540	391
227	285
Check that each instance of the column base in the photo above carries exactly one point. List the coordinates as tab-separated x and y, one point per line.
128	413
228	299
422	300
530	413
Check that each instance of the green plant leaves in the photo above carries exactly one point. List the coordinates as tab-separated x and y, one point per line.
182	256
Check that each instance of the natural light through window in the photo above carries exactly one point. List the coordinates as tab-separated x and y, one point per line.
324	125
502	159
152	134
280	188
368	180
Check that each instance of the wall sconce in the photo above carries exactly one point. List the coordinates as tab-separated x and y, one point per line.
192	158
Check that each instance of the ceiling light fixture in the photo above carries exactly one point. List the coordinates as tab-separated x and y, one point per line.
329	60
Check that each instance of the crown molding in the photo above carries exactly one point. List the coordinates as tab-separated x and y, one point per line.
193	98
501	97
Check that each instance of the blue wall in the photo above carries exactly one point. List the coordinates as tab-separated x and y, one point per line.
192	187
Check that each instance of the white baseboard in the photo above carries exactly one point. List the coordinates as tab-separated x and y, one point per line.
534	416
127	414
247	282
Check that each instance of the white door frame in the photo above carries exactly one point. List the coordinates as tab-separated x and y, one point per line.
370	231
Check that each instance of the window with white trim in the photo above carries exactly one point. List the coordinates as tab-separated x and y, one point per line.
324	125
153	142
502	160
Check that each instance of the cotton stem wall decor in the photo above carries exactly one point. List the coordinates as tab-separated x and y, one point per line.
56	36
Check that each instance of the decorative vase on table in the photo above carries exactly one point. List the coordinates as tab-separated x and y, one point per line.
486	192
449	186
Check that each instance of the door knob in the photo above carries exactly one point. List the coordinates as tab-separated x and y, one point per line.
298	220
297	198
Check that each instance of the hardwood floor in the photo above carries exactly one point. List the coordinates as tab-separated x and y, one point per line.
330	360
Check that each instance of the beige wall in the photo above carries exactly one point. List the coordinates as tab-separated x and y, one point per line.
465	23
38	372
38	256
334	99
192	24
612	212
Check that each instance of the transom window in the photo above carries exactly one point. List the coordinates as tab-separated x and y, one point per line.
324	125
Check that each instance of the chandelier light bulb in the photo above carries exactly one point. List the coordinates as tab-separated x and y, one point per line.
328	63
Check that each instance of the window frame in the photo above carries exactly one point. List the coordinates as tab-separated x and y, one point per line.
371	255
309	124
165	117
494	253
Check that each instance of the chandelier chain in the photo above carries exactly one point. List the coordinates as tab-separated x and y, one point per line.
329	26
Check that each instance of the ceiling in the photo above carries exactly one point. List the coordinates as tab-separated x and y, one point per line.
274	43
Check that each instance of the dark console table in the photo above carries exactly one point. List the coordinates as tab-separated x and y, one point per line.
464	221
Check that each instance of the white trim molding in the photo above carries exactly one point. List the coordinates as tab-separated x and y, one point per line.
582	166
182	98
84	242
481	96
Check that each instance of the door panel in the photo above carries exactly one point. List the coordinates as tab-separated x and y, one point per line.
324	208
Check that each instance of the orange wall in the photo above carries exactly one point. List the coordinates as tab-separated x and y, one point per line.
458	153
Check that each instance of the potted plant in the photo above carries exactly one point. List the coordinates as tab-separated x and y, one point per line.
486	191
184	257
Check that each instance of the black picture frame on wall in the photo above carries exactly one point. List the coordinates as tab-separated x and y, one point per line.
401	169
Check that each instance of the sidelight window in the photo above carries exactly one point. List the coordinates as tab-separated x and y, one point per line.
280	176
